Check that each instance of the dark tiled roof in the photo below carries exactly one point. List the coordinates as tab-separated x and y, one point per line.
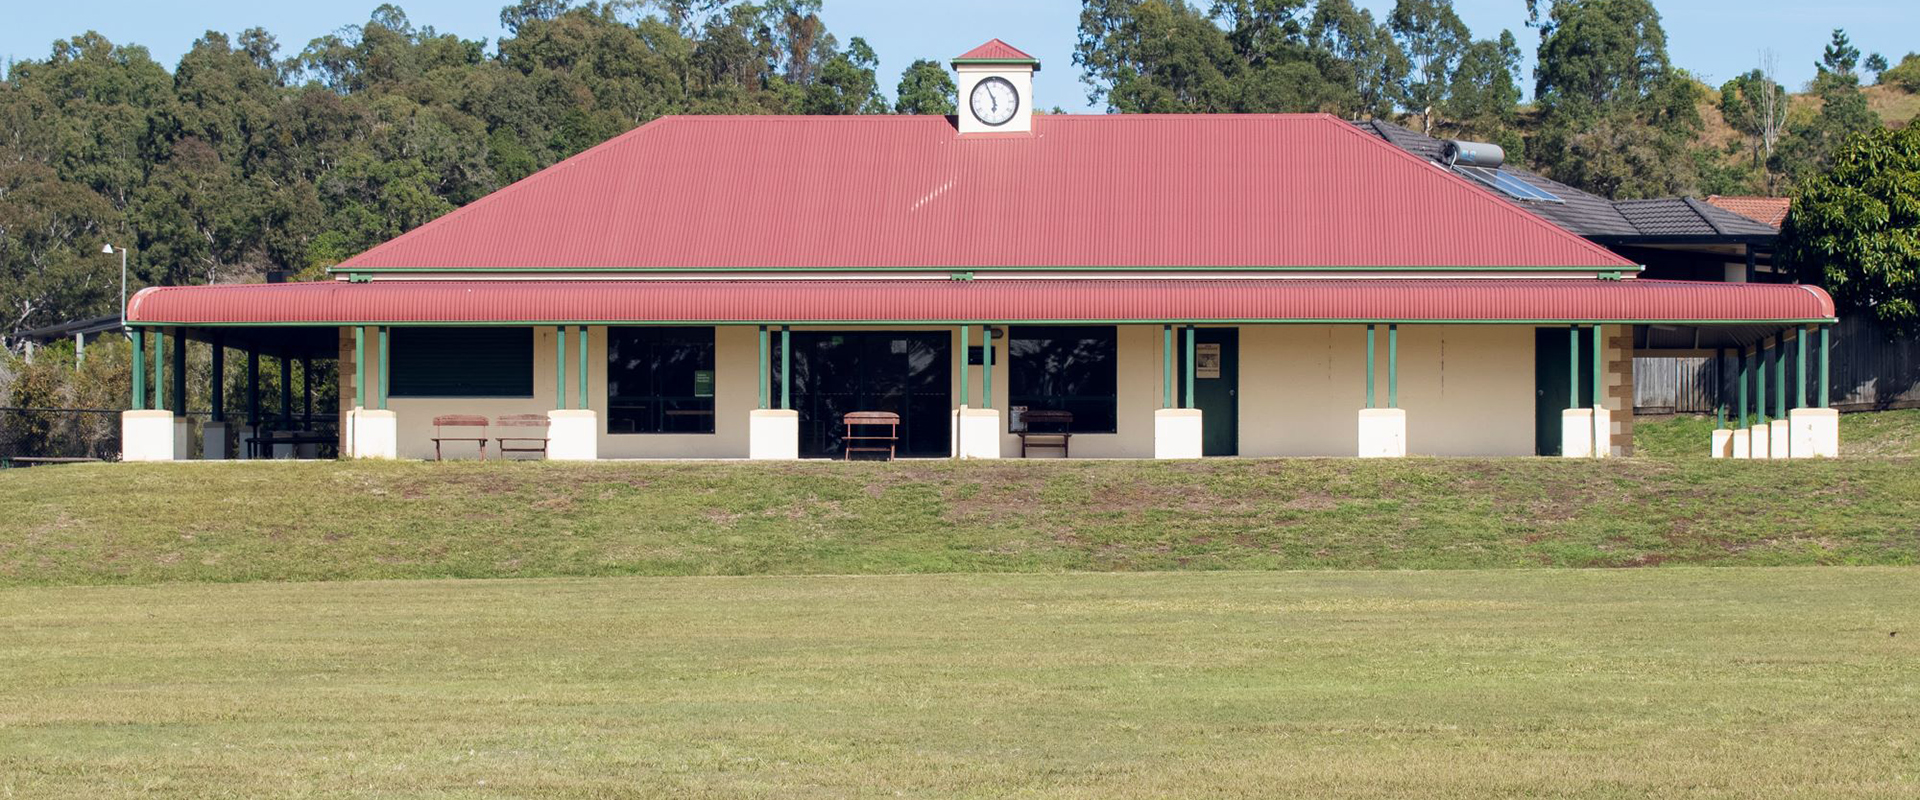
1593	216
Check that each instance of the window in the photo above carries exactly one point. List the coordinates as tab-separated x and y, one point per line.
461	362
1072	369
660	380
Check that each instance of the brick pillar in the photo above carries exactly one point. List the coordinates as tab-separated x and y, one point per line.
1618	396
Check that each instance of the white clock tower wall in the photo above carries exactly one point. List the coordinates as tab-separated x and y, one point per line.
1020	75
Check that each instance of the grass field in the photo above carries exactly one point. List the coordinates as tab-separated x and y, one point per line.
1469	684
1882	434
332	520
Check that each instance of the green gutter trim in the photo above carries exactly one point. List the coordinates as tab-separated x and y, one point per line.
994	321
953	271
959	61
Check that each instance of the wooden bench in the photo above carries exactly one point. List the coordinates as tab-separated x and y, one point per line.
1056	431
523	444
870	442
442	433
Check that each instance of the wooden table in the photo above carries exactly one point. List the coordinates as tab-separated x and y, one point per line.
870	442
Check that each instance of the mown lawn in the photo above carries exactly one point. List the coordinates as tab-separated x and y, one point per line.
1469	684
1880	434
127	523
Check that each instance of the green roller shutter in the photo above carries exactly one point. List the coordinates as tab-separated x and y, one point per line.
462	362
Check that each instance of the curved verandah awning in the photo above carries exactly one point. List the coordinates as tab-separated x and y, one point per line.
900	302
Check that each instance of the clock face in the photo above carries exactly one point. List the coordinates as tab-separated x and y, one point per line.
995	101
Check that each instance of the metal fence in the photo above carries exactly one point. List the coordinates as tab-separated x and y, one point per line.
1871	371
59	433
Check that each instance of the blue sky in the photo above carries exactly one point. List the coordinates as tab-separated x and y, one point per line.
1715	38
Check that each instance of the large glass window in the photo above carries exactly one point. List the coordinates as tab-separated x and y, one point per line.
1073	369
461	362
660	380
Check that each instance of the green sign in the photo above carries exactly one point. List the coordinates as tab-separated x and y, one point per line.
703	383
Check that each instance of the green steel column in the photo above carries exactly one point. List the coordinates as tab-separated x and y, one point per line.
1825	398
160	369
1743	408
386	369
1573	366
1166	366
766	362
1599	367
986	379
359	370
582	344
139	369
179	392
966	369
1800	369
217	404
1393	366
1779	377
1192	368
560	366
786	367
1370	349
1760	382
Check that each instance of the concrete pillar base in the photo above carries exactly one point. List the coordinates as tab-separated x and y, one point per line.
976	432
1759	442
773	434
1742	445
1780	439
573	434
182	439
1576	433
1602	433
1816	432
372	434
1722	444
213	441
241	434
146	435
1383	433
1177	433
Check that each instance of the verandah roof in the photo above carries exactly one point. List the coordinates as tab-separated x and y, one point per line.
861	302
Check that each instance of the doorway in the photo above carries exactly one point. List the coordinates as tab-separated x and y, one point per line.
1552	382
1216	387
906	372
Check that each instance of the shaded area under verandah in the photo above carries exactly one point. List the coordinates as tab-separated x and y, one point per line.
286	389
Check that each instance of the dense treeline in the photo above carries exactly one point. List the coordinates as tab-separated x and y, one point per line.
245	157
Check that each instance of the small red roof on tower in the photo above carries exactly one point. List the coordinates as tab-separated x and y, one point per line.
995	51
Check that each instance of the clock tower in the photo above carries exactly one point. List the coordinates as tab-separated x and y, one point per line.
996	89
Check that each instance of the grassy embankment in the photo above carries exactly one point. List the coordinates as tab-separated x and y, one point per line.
1513	683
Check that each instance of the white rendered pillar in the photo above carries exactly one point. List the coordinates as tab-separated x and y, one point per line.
373	434
146	435
1742	446
213	441
1780	439
1816	432
976	432
573	435
1602	433
1177	433
773	434
1383	433
1576	433
1722	446
1759	446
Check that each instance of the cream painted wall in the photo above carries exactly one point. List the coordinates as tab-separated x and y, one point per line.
1468	391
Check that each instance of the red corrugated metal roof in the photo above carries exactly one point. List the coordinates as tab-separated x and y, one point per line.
995	50
908	301
828	193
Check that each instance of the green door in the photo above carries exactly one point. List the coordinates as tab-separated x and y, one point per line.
1216	387
1552	382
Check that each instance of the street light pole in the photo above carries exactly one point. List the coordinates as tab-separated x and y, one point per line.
108	250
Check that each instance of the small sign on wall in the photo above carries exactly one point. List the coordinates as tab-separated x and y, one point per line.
703	383
1206	360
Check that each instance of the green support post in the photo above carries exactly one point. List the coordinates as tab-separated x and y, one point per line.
139	368
1720	417
359	369
1825	376
966	368
1800	369
1760	382
386	369
1573	366
1743	408
560	366
1393	366
1599	368
1166	366
986	378
1192	368
582	344
786	367
160	369
1779	377
766	363
1370	348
